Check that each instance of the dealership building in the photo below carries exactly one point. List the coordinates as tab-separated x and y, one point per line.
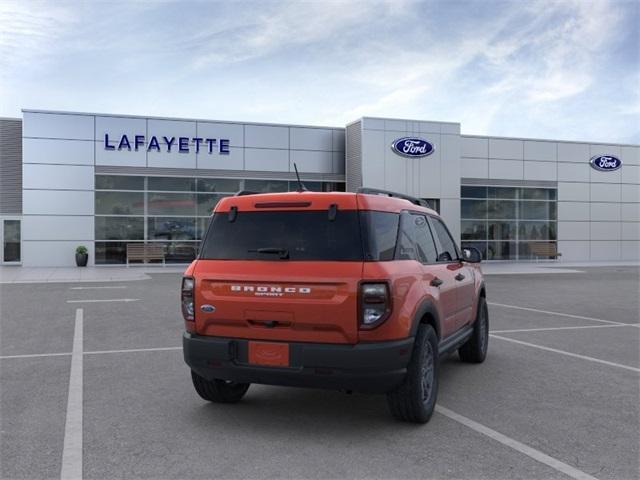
112	181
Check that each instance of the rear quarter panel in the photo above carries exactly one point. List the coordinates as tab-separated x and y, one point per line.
408	292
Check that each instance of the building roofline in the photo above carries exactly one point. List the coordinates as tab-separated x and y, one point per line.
178	119
270	124
552	140
401	120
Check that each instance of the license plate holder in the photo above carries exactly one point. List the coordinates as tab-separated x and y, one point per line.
269	354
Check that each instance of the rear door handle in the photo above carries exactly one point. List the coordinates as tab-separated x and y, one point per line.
436	282
459	277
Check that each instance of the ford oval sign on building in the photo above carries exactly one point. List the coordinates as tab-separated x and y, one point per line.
606	163
412	147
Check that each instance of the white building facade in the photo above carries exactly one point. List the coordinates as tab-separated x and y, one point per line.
106	181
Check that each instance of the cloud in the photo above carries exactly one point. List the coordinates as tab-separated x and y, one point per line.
279	26
527	63
555	55
31	28
506	68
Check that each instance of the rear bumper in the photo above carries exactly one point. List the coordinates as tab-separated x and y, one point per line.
367	367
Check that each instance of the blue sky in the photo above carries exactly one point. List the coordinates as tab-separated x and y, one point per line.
565	69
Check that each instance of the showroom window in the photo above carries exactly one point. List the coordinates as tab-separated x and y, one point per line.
505	222
170	211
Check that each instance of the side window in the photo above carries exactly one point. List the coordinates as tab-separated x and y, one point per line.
415	241
447	251
379	233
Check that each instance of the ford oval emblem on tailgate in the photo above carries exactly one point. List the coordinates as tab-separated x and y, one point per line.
208	308
412	147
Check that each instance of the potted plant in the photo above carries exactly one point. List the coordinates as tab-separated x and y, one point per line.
82	256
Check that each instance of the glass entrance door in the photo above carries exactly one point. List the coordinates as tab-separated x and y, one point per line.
11	240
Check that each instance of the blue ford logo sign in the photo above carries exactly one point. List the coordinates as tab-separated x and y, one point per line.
412	147
606	163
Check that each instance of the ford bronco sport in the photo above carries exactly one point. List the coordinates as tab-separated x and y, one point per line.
350	291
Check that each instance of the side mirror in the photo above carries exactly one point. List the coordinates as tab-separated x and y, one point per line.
444	257
471	255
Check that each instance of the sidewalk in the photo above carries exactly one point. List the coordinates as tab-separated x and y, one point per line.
16	274
528	268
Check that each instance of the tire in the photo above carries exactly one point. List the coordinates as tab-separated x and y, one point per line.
475	349
415	399
219	391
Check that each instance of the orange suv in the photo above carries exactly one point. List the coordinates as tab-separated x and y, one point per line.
350	291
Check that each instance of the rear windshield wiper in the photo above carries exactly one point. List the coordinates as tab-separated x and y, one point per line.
282	252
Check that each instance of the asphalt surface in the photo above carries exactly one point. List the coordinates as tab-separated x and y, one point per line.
571	393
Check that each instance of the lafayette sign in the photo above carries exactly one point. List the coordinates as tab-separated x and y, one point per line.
158	144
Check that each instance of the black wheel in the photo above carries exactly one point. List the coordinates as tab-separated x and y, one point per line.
415	399
219	391
475	349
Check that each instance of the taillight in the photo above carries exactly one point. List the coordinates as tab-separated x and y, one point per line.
186	297
375	304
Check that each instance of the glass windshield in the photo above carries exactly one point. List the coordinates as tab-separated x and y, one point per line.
284	236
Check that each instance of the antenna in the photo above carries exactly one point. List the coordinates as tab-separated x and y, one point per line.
301	187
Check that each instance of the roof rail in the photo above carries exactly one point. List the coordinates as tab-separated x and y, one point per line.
377	191
242	193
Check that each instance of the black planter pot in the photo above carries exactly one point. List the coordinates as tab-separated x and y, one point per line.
82	259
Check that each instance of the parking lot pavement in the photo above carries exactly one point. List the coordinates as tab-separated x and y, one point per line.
547	403
35	319
616	344
609	293
163	430
33	400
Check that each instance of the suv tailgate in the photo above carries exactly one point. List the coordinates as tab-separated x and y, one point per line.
302	301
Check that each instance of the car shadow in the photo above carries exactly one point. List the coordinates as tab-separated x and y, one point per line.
268	408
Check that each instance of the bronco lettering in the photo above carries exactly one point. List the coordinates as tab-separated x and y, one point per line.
269	289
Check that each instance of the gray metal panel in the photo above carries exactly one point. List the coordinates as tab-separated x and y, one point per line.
494	182
64	126
354	156
57	177
311	139
262	136
57	152
201	172
312	161
10	166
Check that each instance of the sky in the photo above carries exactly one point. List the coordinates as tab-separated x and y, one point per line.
538	69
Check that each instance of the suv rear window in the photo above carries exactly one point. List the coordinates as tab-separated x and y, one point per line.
303	235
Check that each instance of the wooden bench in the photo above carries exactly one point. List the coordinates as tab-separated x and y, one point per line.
144	252
544	249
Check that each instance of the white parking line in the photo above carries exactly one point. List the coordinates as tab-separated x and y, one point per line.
516	445
99	288
159	349
72	449
92	352
35	355
564	328
105	300
555	313
569	354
